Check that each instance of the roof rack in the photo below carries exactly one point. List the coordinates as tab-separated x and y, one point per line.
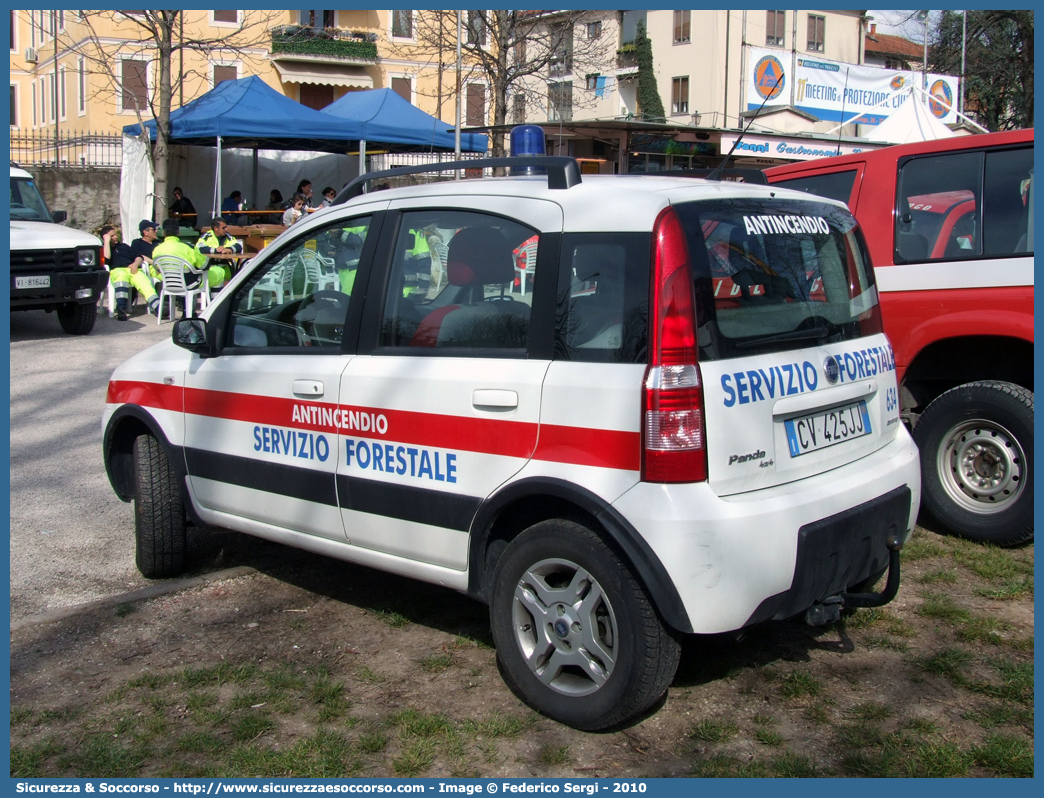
562	172
736	175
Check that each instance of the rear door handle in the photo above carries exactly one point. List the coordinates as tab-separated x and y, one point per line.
308	388
489	398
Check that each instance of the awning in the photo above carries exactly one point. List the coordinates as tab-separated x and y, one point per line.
354	77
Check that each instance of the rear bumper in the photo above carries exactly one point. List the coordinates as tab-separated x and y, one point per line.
773	553
63	288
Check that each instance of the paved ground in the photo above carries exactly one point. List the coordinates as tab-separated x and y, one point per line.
71	538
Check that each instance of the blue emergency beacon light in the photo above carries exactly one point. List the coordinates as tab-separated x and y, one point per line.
527	140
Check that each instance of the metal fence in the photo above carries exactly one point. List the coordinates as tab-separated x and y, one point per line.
40	148
393	160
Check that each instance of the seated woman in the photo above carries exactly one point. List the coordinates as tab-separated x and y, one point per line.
275	203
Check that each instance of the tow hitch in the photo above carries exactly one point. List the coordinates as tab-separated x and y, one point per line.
829	609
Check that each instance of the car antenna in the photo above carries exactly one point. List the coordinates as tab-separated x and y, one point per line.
716	174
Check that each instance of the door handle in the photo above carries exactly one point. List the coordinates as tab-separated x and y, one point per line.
488	398
308	388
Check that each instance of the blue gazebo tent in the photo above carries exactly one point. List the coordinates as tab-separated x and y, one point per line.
382	116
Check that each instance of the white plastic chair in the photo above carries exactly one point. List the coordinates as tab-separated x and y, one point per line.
316	272
173	270
530	253
111	289
278	281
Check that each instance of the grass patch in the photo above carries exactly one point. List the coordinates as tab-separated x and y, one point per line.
713	731
28	761
373	741
977	629
941	607
789	765
1006	755
396	620
436	663
920	725
412	723
885	642
284	679
1008	590
415	757
943	576
224	673
554	754
104	755
200	742
951	663
922	548
798	684
872	710
250	726
991	563
769	737
938	760
863	618
861	735
1017	684
992	715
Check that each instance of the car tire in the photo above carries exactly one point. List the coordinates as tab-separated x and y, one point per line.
976	445
159	515
77	319
577	638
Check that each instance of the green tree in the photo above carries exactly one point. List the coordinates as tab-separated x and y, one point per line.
998	64
650	106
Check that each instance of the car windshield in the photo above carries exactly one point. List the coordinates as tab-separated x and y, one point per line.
773	275
26	202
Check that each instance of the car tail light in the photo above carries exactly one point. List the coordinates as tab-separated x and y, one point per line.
673	428
870	322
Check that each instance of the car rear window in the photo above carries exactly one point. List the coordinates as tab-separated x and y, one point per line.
773	275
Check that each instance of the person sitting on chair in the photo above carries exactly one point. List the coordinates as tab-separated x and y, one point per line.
231	206
172	245
218	241
127	268
182	209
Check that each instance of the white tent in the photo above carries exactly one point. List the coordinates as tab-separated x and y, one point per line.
912	122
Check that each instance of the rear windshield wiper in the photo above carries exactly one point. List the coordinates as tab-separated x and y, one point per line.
811	334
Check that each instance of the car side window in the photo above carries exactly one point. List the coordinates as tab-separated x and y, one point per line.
1007	212
939	208
299	298
459	279
833	185
602	307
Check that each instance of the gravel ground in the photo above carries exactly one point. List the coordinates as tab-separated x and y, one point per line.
71	538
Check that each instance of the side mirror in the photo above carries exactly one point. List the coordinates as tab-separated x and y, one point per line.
191	334
59	216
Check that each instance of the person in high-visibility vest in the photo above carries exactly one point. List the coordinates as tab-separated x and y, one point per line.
353	239
128	267
418	262
172	245
218	241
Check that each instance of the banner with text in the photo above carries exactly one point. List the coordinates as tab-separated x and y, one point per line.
838	92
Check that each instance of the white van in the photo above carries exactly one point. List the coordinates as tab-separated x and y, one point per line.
52	267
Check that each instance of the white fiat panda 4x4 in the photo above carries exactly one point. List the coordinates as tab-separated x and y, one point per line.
617	409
